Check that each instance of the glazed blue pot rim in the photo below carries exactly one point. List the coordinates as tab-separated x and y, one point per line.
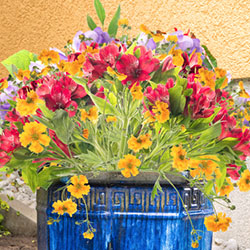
144	178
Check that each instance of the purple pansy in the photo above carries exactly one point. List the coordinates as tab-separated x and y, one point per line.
143	40
6	95
97	35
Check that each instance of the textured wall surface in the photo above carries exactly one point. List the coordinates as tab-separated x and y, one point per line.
224	26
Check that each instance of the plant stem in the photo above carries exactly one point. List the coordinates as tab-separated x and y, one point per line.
124	136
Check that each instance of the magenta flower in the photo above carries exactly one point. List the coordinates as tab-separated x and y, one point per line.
137	69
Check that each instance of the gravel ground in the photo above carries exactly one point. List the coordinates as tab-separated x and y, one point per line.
18	243
14	186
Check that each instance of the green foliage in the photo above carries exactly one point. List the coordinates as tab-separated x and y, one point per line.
20	60
210	56
100	11
91	23
113	26
177	100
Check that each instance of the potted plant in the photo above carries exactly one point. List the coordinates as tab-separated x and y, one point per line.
129	142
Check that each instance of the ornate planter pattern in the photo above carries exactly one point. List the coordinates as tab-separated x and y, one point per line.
125	216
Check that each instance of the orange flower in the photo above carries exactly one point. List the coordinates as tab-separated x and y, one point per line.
219	74
61	207
148	117
92	114
208	77
180	162
204	167
33	135
129	164
136	92
49	57
218	222
114	73
161	111
22	73
123	21
172	38
78	189
136	144
244	182
85	133
243	92
177	56
195	244
111	119
29	105
88	235
226	189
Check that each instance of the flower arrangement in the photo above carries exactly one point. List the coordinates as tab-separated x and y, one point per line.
157	102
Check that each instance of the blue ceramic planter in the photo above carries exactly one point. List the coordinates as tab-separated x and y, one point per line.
125	217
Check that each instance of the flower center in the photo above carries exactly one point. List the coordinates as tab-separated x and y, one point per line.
35	137
29	100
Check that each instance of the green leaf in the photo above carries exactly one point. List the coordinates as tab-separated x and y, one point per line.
23	154
210	56
29	174
162	77
220	181
63	125
130	50
91	23
113	26
219	82
46	112
44	121
100	11
188	92
20	60
156	187
90	158
208	187
211	133
177	100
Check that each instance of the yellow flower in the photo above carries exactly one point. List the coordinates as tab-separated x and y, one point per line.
180	162
136	92
148	117
145	29
78	189
114	73
208	77
129	164
123	21
243	92
33	135
172	38
88	235
49	57
136	144
161	111
218	222
177	56
204	167
226	189
195	244
3	84
29	105
22	73
219	74
85	133
244	182
111	119
92	114
61	207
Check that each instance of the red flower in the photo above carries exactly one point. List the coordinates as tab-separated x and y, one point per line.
191	63
97	64
244	144
22	92
137	69
9	140
201	102
59	94
4	158
228	125
233	171
59	143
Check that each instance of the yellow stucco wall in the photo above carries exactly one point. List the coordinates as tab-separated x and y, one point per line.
223	25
